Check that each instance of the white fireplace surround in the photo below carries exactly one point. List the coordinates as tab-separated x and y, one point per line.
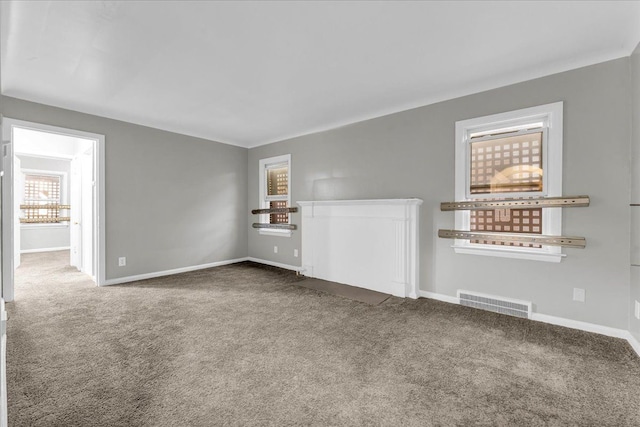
371	244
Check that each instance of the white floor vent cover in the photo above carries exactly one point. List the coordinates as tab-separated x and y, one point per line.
495	303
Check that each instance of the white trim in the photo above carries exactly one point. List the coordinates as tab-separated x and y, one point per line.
275	264
558	321
262	192
8	226
583	326
499	251
35	226
439	297
48	156
138	277
635	344
411	202
551	117
277	233
99	249
34	251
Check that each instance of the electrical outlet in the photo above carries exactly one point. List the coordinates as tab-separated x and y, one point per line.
579	294
637	313
275	249
122	261
295	253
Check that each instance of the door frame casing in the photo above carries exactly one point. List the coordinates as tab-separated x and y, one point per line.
99	244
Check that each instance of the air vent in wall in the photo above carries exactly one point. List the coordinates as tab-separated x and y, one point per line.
495	303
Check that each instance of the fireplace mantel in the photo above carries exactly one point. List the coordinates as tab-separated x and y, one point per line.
371	244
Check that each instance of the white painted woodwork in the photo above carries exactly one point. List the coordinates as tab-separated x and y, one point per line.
97	141
18	191
550	117
249	73
371	244
75	214
86	211
8	226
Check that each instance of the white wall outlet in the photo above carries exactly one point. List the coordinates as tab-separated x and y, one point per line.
295	253
637	312
122	261
275	249
579	294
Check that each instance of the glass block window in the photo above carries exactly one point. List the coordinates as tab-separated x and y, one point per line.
509	164
510	155
278	218
528	221
275	188
42	190
278	180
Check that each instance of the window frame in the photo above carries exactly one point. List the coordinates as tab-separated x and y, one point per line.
264	198
64	196
551	118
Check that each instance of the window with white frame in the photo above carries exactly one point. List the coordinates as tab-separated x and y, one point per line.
517	154
41	189
275	178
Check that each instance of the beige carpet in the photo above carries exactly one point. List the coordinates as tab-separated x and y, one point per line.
244	345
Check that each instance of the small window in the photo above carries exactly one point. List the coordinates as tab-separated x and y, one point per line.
42	190
506	163
275	177
510	155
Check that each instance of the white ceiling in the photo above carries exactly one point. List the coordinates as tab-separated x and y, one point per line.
249	73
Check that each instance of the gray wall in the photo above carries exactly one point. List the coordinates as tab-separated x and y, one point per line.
171	200
411	154
38	236
634	324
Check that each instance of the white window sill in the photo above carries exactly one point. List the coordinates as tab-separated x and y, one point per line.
27	226
279	233
509	253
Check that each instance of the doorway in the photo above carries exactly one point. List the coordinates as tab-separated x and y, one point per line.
52	197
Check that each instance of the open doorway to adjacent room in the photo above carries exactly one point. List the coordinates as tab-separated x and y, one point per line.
51	193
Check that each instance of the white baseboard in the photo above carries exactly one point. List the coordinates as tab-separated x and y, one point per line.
440	297
583	326
275	264
137	277
128	279
559	321
634	343
33	251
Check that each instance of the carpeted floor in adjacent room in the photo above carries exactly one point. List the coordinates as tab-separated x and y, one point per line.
244	345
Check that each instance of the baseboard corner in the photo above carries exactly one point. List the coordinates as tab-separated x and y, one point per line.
137	277
634	343
274	264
